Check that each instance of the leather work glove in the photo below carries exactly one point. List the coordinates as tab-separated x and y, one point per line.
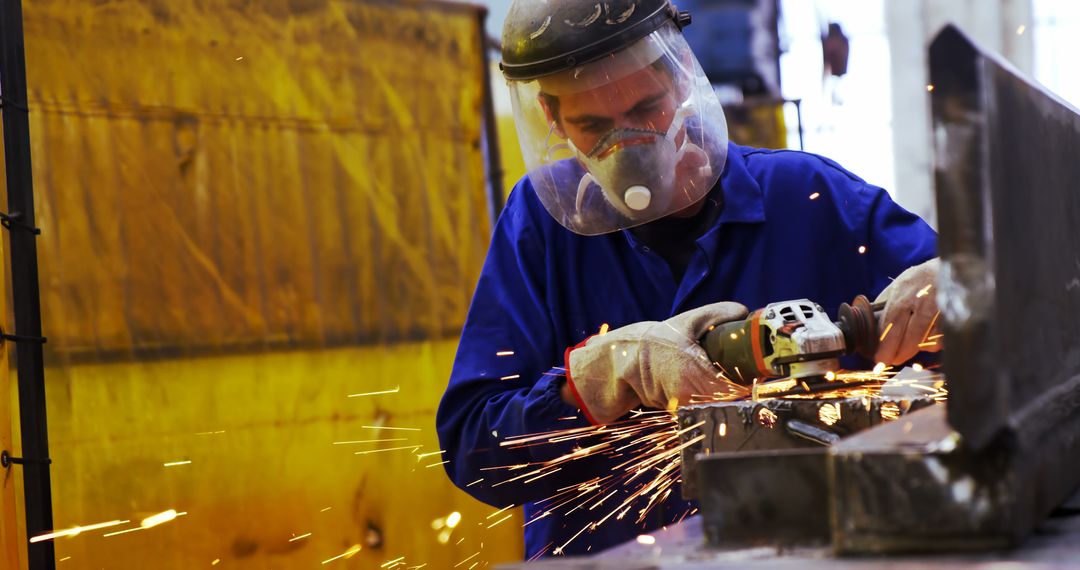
651	363
909	322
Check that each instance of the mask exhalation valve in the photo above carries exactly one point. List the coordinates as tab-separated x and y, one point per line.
637	197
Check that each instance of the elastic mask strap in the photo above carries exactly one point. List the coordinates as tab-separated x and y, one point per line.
681	114
552	149
582	186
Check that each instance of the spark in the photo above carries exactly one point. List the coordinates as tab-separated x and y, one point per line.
930	88
504	519
367	451
722	430
64	558
930	328
511	377
437	464
390	428
646	539
928	344
500	511
767	417
475	482
886	333
830	376
477	553
75	531
880	367
444	536
815	195
1020	30
423	455
379	393
347	554
862	249
604	329
734	336
917	367
890	411
829	414
453	519
924	291
216	562
301	537
326	509
160	518
504	353
392	562
369	441
125	531
210	432
241	58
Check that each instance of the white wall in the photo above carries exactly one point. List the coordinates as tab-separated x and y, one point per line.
847	119
1002	26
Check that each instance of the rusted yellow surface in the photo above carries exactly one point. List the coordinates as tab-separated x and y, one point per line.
10	523
259	431
250	211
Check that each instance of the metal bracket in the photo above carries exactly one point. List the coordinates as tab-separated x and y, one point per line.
4	101
22	338
6	460
15	219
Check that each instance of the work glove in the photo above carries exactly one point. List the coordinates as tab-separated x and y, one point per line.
909	323
658	364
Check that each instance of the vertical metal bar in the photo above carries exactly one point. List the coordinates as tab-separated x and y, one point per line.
24	286
798	116
490	139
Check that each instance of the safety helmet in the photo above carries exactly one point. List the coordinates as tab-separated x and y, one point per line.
617	122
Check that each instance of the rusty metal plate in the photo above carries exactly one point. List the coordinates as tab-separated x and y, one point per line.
1006	174
779	424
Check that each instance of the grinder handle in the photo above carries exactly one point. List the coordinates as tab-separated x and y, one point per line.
730	346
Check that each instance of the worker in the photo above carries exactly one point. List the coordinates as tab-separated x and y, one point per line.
639	216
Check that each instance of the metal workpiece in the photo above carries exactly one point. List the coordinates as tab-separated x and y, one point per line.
911	486
778	424
681	547
914	486
1009	287
746	501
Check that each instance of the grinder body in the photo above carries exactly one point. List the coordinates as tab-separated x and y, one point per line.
791	339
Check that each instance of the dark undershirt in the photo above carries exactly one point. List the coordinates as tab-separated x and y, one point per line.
674	239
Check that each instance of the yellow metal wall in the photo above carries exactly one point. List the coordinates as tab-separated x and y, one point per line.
250	211
9	490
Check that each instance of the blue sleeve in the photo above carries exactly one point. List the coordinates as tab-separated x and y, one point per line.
857	215
506	377
895	238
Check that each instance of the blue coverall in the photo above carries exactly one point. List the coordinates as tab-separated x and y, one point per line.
543	289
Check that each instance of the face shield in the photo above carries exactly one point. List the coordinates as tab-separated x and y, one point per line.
624	140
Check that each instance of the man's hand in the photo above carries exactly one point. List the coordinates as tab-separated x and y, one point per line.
652	363
909	322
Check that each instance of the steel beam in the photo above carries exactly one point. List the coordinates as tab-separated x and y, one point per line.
778	424
1008	451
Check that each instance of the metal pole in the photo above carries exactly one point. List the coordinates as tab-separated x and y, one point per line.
490	140
24	286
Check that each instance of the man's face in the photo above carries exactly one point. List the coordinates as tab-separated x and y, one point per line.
643	100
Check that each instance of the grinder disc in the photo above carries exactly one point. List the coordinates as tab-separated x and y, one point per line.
859	325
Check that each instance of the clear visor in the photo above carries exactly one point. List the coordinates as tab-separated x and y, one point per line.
622	141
